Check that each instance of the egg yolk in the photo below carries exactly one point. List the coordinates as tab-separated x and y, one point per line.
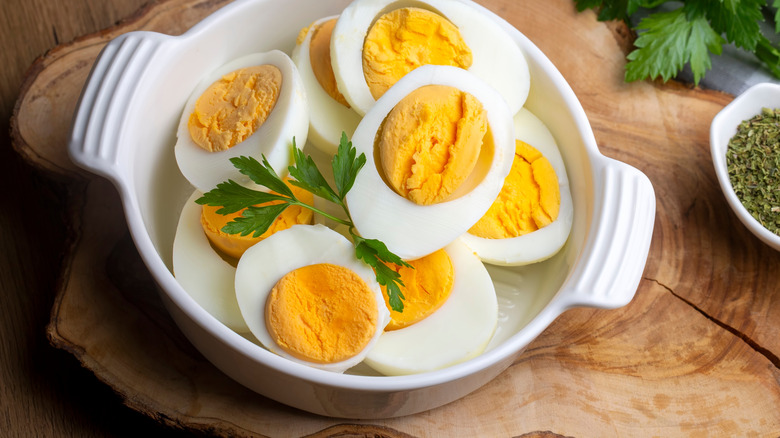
427	285
430	142
322	313
234	245
319	58
233	108
529	200
405	39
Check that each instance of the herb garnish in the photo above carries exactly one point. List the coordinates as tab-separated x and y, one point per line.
753	161
233	197
689	34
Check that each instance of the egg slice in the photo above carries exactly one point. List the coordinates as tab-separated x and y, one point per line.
250	106
411	230
204	274
544	242
457	331
329	112
382	38
307	298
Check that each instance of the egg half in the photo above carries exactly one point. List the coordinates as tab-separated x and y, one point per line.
204	274
411	230
285	301
544	242
328	117
459	330
490	53
219	119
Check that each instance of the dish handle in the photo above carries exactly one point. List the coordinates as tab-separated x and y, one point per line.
98	124
619	238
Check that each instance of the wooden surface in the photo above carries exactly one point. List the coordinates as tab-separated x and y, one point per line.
696	353
44	392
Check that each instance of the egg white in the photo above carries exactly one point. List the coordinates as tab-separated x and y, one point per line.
289	118
459	330
327	117
545	242
266	262
203	273
497	59
410	230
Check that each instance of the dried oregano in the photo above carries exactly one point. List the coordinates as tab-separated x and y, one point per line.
753	159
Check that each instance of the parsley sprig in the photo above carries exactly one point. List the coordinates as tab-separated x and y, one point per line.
690	34
256	219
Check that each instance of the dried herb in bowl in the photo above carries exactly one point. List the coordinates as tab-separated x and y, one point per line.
753	159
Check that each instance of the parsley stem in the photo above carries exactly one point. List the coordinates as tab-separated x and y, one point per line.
318	211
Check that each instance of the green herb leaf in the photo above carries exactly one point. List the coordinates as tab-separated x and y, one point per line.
668	42
689	34
375	254
776	5
233	197
346	166
379	250
737	19
308	177
255	220
262	174
610	9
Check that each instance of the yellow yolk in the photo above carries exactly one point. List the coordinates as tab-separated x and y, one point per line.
322	313
427	285
319	57
234	245
405	39
529	199
430	142
233	108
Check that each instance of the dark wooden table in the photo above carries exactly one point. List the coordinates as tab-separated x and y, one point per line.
44	392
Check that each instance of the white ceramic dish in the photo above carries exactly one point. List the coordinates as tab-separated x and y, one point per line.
724	126
124	130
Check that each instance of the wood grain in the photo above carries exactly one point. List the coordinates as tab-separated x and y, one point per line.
44	391
694	354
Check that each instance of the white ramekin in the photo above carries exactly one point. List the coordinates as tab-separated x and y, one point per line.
722	129
124	130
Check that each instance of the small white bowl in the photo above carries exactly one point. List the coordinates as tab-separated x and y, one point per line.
125	128
724	126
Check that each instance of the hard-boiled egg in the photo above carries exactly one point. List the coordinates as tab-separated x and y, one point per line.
457	331
377	41
306	297
250	106
202	272
329	112
409	229
204	256
537	223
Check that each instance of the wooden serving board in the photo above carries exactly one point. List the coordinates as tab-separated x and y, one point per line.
696	353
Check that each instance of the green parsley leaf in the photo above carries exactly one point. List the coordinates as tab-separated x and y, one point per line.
690	34
308	177
346	166
668	42
378	249
737	19
610	9
375	254
255	220
262	174
776	5
233	197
